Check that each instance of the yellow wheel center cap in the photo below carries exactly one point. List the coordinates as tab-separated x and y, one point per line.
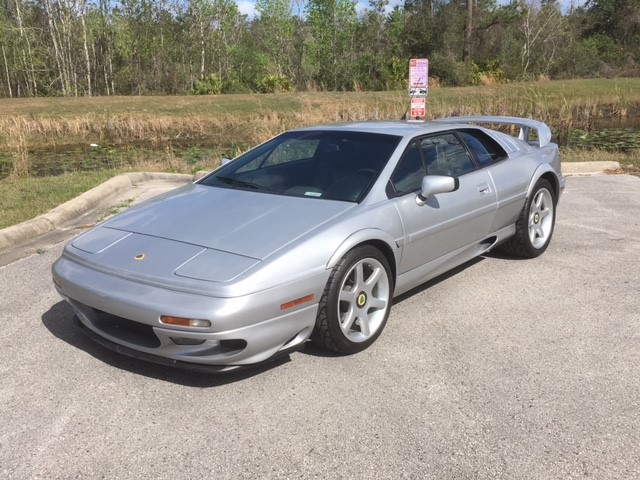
361	300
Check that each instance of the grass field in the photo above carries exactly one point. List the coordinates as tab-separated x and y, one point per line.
239	121
184	134
555	95
25	198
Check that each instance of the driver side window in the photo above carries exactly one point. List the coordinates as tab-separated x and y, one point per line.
440	154
445	155
407	177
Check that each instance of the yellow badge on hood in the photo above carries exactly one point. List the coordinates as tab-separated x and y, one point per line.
139	257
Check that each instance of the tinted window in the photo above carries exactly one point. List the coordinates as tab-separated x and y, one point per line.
445	155
290	150
407	177
335	165
484	149
441	154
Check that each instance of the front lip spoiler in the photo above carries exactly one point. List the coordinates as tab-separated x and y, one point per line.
169	362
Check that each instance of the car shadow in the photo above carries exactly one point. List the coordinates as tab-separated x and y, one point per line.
314	350
437	280
59	320
501	255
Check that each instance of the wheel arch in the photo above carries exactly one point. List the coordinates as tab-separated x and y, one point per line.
532	233
547	173
385	249
374	237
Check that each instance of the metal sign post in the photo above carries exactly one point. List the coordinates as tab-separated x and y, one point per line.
418	88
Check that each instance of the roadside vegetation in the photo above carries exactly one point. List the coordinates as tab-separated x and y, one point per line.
25	198
229	124
52	149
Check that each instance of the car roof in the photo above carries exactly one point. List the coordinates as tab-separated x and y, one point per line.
401	128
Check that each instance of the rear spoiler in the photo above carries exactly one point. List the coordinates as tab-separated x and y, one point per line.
542	130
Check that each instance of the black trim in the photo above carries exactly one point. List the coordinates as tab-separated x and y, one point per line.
168	362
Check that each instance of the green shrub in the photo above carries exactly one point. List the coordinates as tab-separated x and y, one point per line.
210	85
606	49
487	72
452	73
274	84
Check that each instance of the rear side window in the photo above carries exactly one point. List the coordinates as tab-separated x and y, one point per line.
484	149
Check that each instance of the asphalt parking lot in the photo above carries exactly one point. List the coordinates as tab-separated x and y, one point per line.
504	369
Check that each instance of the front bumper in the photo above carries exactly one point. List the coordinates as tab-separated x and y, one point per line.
125	316
168	362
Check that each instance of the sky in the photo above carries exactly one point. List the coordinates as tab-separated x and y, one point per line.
247	7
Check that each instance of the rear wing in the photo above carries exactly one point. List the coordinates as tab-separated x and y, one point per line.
526	125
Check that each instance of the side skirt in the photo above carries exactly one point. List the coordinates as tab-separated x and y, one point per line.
428	271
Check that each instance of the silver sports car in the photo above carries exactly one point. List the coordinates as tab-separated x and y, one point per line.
309	236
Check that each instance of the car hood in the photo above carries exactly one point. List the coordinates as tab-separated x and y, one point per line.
245	223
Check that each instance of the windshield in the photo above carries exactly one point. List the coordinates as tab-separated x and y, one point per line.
335	165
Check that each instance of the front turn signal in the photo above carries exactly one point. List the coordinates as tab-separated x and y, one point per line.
297	301
184	322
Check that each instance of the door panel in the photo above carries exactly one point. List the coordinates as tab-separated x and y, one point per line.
511	184
510	175
447	221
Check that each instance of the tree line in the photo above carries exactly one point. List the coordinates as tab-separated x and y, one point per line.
139	47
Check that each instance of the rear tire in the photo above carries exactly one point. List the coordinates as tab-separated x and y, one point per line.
355	304
535	225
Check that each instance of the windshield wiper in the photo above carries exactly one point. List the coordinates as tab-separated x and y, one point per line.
240	183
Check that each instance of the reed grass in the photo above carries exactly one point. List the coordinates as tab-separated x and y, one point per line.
240	121
570	155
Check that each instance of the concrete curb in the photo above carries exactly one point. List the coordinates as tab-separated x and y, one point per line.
56	218
588	168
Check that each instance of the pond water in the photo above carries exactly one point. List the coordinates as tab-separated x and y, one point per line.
612	134
608	133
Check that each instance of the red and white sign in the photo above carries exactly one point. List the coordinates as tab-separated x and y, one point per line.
418	108
418	88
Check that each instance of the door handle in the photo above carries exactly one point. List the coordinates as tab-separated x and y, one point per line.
484	188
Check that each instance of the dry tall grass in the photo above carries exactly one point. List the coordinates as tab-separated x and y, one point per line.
563	106
21	164
232	129
225	130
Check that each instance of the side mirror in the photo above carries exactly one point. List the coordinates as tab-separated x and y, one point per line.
433	184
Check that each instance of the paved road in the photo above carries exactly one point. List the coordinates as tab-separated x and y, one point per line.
504	370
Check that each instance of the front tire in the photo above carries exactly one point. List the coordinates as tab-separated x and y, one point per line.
355	304
535	225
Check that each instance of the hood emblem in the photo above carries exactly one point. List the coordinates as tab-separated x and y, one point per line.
139	257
